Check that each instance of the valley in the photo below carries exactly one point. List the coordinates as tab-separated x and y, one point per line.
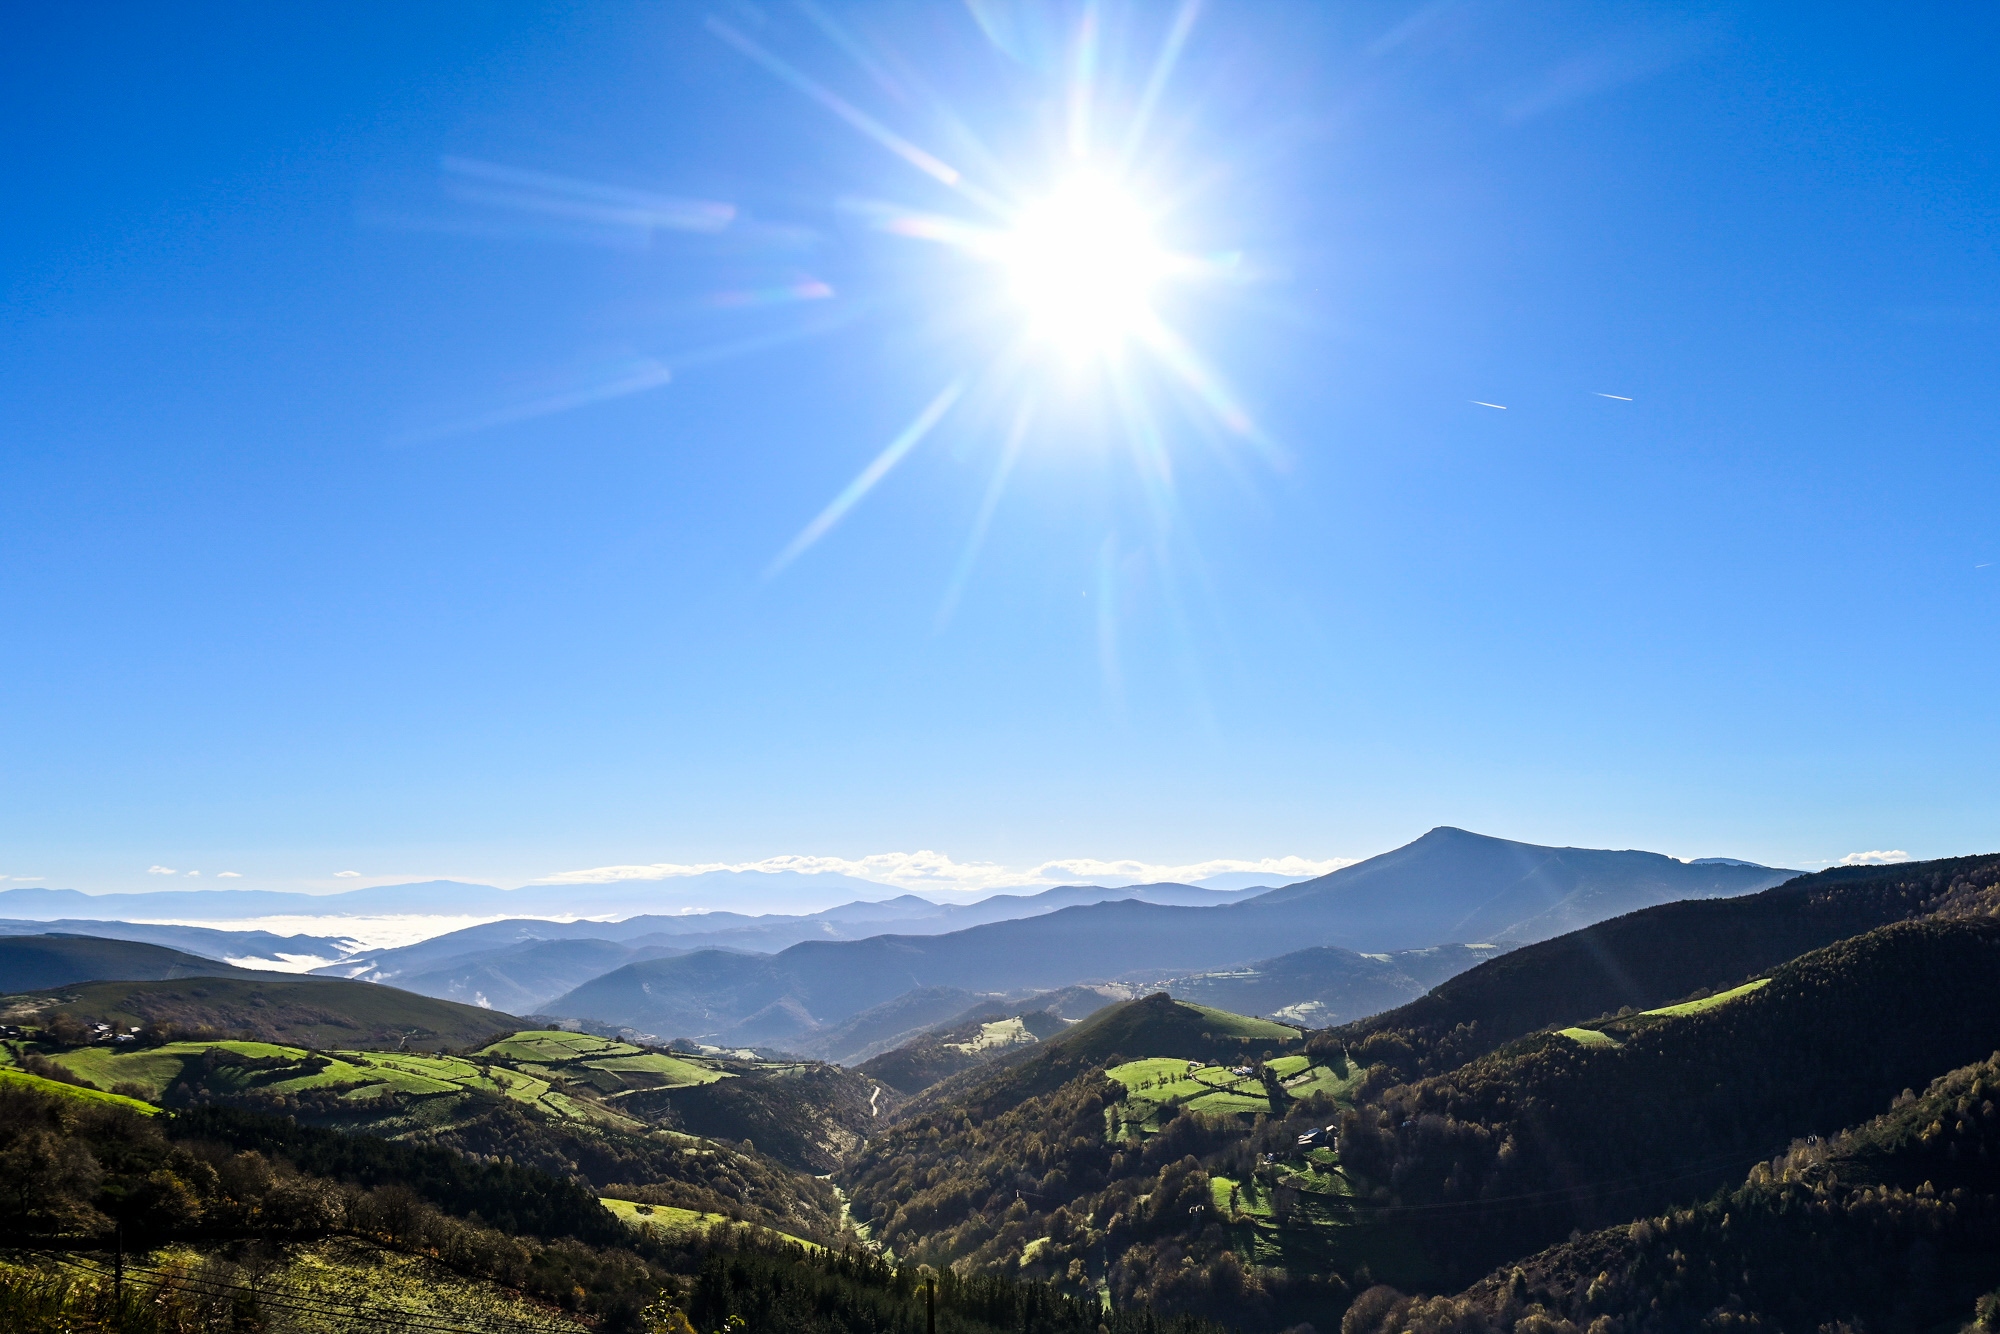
1109	1146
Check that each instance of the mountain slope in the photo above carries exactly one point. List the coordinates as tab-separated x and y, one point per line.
208	942
1557	1132
524	977
747	933
1892	1225
35	963
1326	984
300	1011
1452	885
1648	958
1420	896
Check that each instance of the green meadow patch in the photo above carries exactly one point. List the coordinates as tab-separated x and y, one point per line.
22	1079
1706	1003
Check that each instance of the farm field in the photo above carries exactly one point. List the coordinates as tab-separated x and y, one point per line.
669	1219
1156	1083
572	1076
1226	1024
998	1033
1707	1003
23	1079
1595	1034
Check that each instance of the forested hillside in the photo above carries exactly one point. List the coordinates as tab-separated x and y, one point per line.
1894	1225
1661	954
239	1222
1667	1121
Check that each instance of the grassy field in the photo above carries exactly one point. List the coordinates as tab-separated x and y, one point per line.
1320	1232
660	1216
999	1033
670	1219
1156	1083
23	1079
609	1067
569	1075
1596	1037
1707	1003
359	1074
338	1285
1225	1024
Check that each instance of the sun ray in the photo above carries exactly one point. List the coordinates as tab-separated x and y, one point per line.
1010	454
1078	284
931	166
863	483
1083	81
1156	83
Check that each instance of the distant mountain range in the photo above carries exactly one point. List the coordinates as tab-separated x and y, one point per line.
248	947
1448	887
533	961
36	963
780	890
844	980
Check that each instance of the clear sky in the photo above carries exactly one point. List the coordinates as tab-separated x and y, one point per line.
403	409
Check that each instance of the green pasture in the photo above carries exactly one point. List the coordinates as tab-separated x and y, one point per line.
22	1079
670	1219
999	1033
1322	1233
1224	1024
1155	1083
552	1046
1325	1079
665	1071
1589	1037
610	1068
1707	1003
359	1074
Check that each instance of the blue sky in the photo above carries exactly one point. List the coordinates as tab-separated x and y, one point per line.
376	494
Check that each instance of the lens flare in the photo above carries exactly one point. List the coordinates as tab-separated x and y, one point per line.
1074	281
1082	265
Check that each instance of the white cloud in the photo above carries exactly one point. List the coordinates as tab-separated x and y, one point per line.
228	875
194	872
928	870
161	870
1873	858
347	875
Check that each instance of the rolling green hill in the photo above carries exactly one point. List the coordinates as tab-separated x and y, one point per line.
272	1007
231	1220
1057	1165
1654	957
36	963
568	1103
933	1057
1548	1134
1156	1025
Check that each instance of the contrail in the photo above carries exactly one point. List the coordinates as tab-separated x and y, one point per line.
1620	397
1482	403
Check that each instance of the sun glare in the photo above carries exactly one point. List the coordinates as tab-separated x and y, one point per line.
1082	265
1068	283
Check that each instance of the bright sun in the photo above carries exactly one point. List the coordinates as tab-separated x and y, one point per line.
1082	264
